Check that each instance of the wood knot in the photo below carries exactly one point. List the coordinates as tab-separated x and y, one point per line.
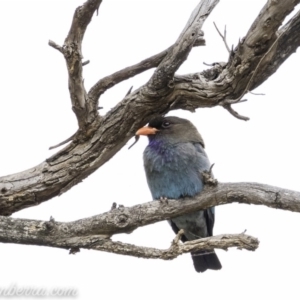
121	220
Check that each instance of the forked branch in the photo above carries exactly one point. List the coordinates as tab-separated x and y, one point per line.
127	219
101	138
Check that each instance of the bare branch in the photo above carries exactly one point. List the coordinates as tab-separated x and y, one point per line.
129	91
254	37
233	101
63	235
85	113
85	63
255	94
127	219
63	142
109	81
94	232
260	53
234	113
241	241
207	64
106	136
259	43
287	44
163	76
55	46
223	37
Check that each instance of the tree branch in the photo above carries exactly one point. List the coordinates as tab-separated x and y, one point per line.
84	110
127	219
241	241
257	45
100	243
223	36
55	46
162	78
287	44
94	232
104	137
109	81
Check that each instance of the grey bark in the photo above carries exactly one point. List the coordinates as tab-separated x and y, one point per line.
98	138
95	232
265	47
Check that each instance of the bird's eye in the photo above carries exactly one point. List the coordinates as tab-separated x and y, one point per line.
166	124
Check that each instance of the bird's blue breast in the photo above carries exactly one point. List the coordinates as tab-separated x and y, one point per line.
174	170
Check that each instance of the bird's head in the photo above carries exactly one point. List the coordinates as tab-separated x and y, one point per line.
172	129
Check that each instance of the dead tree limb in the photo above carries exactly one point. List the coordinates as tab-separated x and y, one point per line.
95	232
99	139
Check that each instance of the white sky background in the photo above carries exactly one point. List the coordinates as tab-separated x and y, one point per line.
36	113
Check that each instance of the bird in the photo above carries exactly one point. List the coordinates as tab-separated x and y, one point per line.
174	160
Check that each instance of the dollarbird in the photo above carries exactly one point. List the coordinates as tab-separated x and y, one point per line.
173	162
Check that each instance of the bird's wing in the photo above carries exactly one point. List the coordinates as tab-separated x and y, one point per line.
209	213
202	159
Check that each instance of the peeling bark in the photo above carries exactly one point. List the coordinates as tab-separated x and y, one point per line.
95	232
258	55
99	139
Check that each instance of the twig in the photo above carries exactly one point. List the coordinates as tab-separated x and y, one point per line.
85	63
63	142
164	73
137	137
210	169
256	94
209	65
223	36
227	103
233	101
242	101
178	237
208	178
129	91
234	113
55	46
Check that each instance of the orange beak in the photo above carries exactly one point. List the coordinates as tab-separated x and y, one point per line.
146	131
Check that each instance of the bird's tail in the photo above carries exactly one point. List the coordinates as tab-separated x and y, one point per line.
204	260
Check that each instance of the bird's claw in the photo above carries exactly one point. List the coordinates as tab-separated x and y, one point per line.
163	200
115	206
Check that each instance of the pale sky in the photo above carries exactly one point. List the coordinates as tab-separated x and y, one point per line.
36	113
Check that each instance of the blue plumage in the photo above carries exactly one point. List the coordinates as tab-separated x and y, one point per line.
173	170
173	161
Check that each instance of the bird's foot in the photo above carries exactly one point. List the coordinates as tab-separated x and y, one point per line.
163	200
115	206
